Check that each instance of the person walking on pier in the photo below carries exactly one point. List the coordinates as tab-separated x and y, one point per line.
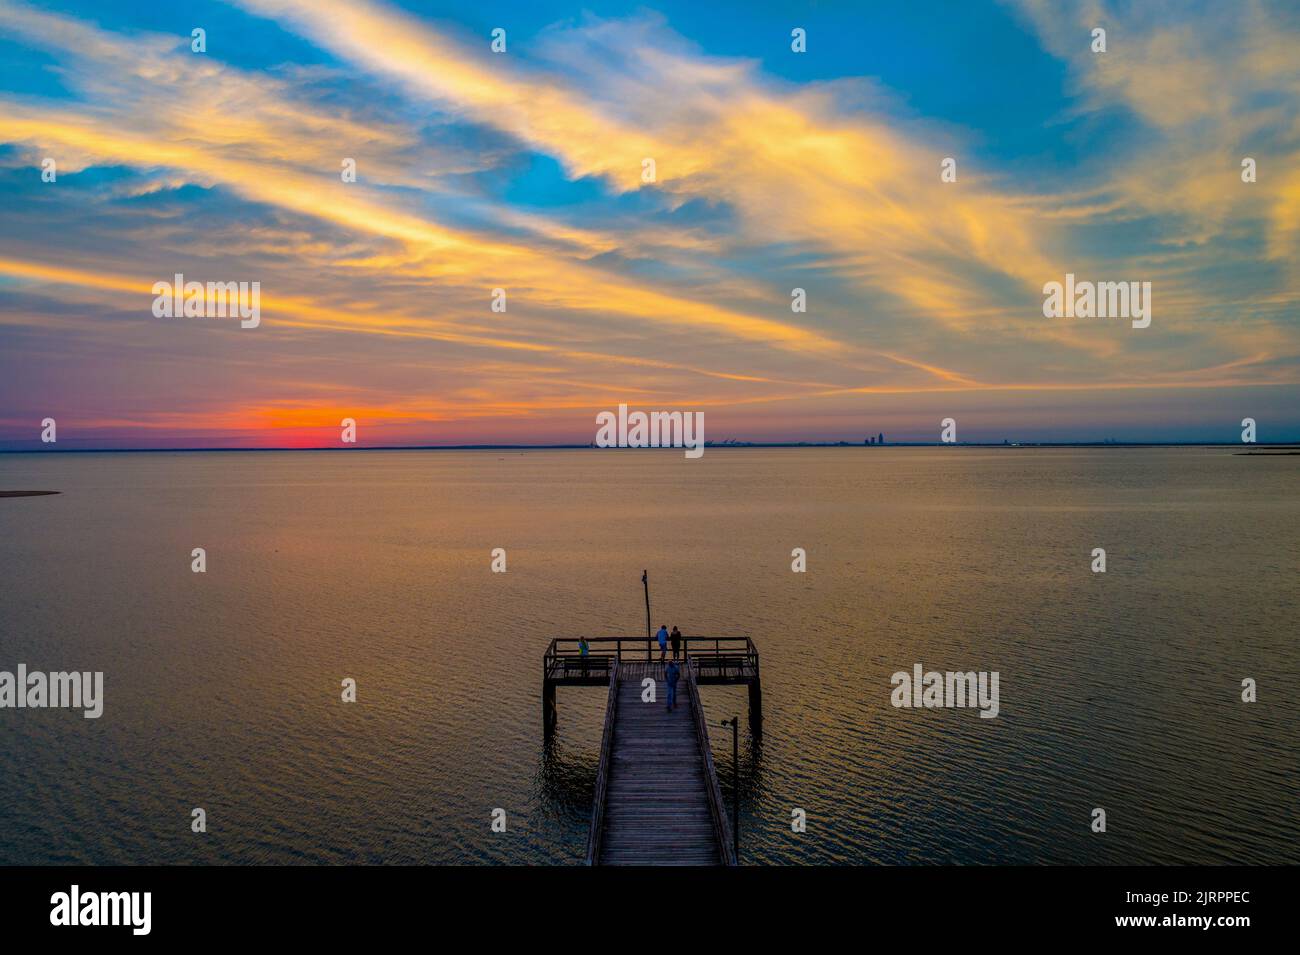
662	637
671	675
676	639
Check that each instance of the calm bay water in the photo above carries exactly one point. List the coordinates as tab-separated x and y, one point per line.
1119	690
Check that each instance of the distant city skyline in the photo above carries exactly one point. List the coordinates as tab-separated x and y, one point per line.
19	447
664	205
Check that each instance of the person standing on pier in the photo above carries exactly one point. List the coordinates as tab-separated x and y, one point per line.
676	639
662	637
671	675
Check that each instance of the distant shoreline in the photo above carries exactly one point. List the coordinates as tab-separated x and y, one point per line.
1260	448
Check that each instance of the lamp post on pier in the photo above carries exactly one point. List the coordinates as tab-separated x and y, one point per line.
645	582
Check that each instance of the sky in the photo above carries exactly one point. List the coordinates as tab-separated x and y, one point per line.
526	171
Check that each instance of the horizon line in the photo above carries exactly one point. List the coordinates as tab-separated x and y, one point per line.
719	446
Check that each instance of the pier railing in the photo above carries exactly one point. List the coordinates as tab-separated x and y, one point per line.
715	658
721	827
602	770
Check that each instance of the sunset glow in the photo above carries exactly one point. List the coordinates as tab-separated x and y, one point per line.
525	171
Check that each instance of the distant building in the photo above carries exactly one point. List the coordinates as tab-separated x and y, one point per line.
882	438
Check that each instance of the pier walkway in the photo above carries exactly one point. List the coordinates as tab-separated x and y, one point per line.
657	800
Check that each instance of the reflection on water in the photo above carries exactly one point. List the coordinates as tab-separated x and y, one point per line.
565	781
1118	690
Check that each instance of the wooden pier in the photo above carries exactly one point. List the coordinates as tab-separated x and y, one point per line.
657	800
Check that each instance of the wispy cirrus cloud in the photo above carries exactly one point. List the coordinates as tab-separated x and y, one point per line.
523	171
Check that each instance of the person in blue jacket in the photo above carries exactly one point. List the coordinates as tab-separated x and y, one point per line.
671	676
